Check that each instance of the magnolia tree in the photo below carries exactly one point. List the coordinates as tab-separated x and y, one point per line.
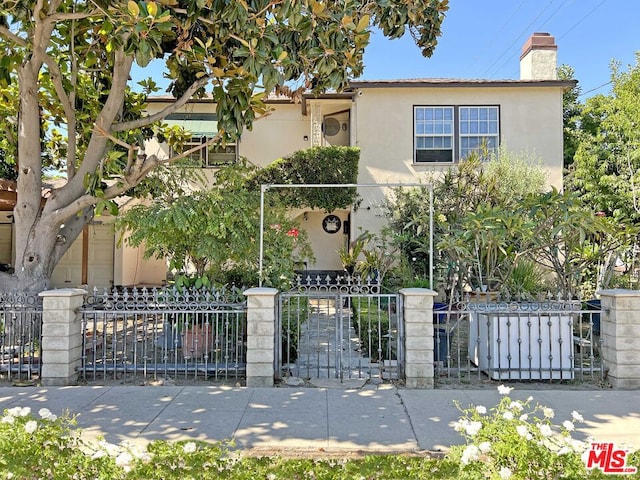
67	99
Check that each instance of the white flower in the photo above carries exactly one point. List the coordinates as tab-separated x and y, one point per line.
485	447
111	449
545	430
505	473
46	414
577	445
548	412
471	453
124	459
577	417
189	447
507	416
472	428
568	425
481	409
524	417
516	406
98	454
502	390
8	419
564	450
19	411
524	432
31	426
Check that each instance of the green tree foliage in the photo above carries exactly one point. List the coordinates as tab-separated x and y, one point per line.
215	233
571	109
606	165
66	66
318	165
468	187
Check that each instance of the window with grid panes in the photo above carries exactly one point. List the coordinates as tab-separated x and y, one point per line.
444	134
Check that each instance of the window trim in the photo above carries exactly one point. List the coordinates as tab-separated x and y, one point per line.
204	151
456	135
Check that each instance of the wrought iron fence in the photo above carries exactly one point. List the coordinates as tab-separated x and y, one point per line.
339	327
20	336
552	340
168	332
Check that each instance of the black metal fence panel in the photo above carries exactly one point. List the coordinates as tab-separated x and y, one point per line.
164	333
20	336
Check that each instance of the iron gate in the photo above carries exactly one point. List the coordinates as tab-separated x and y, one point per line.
337	327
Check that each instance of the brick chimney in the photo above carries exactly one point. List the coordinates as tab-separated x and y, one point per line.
539	58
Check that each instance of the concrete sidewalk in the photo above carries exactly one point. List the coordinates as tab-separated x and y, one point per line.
370	419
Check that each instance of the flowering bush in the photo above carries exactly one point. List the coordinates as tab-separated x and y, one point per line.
517	440
48	447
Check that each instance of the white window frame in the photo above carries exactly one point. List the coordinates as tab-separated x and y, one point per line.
209	156
461	125
433	131
479	125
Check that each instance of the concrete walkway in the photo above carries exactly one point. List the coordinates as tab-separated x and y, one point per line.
369	419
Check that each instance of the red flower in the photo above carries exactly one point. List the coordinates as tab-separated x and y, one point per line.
293	233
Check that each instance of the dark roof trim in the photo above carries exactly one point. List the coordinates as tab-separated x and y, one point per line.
447	83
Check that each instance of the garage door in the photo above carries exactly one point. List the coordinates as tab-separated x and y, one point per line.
68	272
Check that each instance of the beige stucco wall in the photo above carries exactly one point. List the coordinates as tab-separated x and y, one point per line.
131	268
530	122
281	133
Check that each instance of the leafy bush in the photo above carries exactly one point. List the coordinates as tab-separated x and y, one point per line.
370	319
517	440
49	447
317	165
216	232
512	440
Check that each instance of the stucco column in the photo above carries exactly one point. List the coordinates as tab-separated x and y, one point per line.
261	321
61	336
418	337
620	331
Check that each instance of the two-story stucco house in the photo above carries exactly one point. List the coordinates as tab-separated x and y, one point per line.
404	129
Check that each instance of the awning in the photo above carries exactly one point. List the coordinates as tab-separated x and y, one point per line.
198	128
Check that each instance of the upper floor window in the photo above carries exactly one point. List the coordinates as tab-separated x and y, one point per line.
478	129
434	134
444	134
203	127
212	155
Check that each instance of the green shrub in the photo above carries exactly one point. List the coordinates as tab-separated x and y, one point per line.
370	319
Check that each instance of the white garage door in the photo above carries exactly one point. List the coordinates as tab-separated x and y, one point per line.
68	272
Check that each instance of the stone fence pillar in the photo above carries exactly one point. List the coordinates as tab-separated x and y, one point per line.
620	334
418	337
61	336
261	322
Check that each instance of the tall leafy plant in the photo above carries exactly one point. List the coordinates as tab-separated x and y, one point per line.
216	232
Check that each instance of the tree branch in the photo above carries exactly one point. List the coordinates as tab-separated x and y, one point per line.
144	121
9	35
98	143
56	78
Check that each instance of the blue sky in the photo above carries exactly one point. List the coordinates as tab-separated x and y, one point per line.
484	38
